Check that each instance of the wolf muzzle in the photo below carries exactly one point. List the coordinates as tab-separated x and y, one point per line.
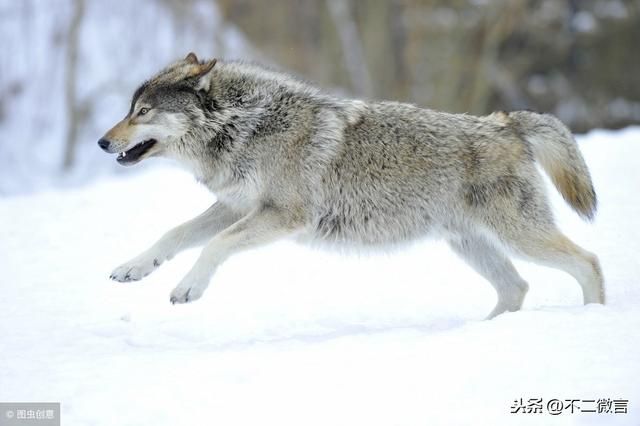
104	144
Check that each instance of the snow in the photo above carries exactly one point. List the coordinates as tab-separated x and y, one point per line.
584	22
291	335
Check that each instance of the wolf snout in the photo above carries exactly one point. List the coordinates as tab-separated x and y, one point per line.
104	144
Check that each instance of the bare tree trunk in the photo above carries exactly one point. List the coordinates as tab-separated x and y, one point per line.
498	27
351	46
74	114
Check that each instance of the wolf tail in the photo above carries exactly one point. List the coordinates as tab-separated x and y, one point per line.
557	152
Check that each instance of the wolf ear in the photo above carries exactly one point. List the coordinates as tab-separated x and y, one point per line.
191	58
204	75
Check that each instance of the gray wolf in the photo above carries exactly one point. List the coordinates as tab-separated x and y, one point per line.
286	160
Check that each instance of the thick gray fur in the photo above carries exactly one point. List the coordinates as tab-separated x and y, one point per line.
288	160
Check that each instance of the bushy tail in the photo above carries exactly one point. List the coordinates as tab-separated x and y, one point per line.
557	152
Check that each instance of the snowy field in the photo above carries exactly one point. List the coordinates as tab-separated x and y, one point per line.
288	335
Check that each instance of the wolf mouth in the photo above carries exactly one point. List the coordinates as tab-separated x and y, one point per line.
134	154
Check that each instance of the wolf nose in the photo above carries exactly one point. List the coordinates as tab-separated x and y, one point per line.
104	144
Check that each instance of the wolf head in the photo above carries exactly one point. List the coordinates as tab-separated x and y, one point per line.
162	111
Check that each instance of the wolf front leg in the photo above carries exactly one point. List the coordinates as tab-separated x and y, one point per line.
195	232
261	226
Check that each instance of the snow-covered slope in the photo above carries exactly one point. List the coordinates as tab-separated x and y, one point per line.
289	335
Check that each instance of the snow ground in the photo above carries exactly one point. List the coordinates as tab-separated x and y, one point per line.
290	335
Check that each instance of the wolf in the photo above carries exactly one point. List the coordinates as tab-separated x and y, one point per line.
287	160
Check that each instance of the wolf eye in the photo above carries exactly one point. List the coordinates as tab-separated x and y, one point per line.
143	111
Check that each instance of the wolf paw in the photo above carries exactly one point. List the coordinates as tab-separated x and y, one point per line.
135	269
188	290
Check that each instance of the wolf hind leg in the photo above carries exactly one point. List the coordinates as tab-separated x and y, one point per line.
555	250
492	264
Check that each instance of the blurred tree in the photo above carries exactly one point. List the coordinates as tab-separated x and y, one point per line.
74	114
573	58
352	54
